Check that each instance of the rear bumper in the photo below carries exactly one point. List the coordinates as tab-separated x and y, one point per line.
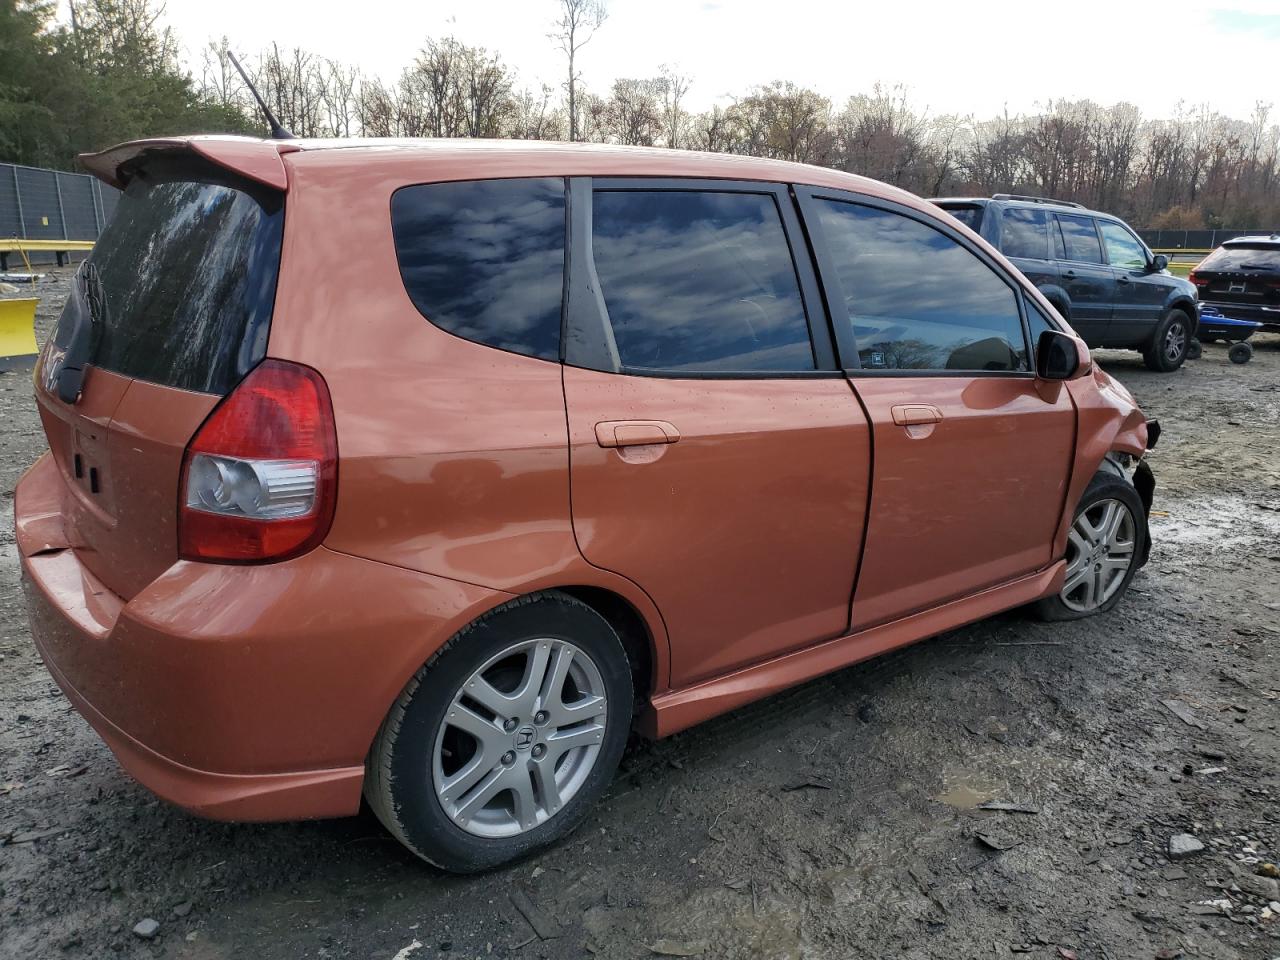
237	692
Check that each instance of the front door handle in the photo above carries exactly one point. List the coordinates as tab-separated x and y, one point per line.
914	414
635	433
1069	274
1122	279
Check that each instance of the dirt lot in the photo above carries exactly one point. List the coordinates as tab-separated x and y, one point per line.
837	820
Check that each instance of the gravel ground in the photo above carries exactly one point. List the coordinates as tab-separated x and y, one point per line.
840	819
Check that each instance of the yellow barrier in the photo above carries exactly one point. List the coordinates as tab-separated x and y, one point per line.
17	333
23	246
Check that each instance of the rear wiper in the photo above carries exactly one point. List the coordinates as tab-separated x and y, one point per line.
85	333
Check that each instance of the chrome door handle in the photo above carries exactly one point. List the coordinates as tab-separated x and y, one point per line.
635	433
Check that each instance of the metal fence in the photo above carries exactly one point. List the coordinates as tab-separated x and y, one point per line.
1194	239
37	204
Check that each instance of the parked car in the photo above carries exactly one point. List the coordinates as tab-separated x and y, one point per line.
1094	269
428	470
1241	279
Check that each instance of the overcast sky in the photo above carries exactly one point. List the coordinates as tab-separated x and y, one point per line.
960	56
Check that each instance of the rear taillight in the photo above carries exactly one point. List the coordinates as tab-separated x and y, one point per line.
1198	280
260	476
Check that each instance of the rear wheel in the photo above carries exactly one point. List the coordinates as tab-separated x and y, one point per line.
1194	349
1105	547
1168	347
503	741
1240	352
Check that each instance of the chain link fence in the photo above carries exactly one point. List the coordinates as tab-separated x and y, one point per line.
37	204
1194	239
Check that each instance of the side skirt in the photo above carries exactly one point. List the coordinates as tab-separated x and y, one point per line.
680	709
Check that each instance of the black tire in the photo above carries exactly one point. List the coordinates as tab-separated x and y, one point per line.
1108	484
398	776
1194	349
1168	346
1240	352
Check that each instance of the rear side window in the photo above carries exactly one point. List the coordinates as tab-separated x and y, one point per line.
187	274
484	259
1123	248
1080	239
1024	233
971	217
918	299
699	281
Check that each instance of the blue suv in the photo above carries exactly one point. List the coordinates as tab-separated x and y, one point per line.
1102	278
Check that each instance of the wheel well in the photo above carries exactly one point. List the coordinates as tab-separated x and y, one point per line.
1187	307
631	629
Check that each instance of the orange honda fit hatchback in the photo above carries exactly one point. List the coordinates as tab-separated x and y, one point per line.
428	470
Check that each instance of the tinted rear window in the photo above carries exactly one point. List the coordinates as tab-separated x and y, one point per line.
188	268
484	259
1263	257
1080	238
697	280
971	217
1024	233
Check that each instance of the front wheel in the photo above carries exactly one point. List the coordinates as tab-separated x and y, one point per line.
1105	547
503	741
1168	347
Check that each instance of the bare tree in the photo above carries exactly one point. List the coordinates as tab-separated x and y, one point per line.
674	86
633	113
579	20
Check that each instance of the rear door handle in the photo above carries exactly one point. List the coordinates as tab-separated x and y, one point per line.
912	414
1069	274
635	433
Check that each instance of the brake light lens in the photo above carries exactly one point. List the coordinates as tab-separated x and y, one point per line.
1198	280
259	479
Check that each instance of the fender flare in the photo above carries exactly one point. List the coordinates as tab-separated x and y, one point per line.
1058	298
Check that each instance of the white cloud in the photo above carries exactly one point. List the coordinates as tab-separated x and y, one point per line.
956	56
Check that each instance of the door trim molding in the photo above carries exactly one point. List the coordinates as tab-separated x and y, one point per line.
680	709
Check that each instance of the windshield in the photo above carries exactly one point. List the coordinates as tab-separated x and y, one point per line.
184	277
1242	257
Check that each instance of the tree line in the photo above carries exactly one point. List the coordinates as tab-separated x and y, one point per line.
114	73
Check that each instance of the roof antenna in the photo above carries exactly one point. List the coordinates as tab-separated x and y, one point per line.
278	132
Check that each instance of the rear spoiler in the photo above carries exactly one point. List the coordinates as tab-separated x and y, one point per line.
248	156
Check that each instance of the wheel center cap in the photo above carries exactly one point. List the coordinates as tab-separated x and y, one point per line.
525	738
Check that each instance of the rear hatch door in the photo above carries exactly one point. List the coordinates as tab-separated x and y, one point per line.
1241	273
179	292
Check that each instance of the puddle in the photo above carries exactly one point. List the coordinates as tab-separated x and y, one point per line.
964	789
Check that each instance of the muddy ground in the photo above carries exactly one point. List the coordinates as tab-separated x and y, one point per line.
706	846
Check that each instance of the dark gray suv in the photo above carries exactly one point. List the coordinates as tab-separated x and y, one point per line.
1102	278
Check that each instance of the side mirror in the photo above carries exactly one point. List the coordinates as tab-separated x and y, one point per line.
1159	262
1057	357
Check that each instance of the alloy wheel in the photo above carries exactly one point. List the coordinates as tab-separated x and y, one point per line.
1175	341
520	738
1100	550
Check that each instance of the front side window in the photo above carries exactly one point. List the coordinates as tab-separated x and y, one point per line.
1024	233
1123	248
1080	239
484	259
918	300
699	281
